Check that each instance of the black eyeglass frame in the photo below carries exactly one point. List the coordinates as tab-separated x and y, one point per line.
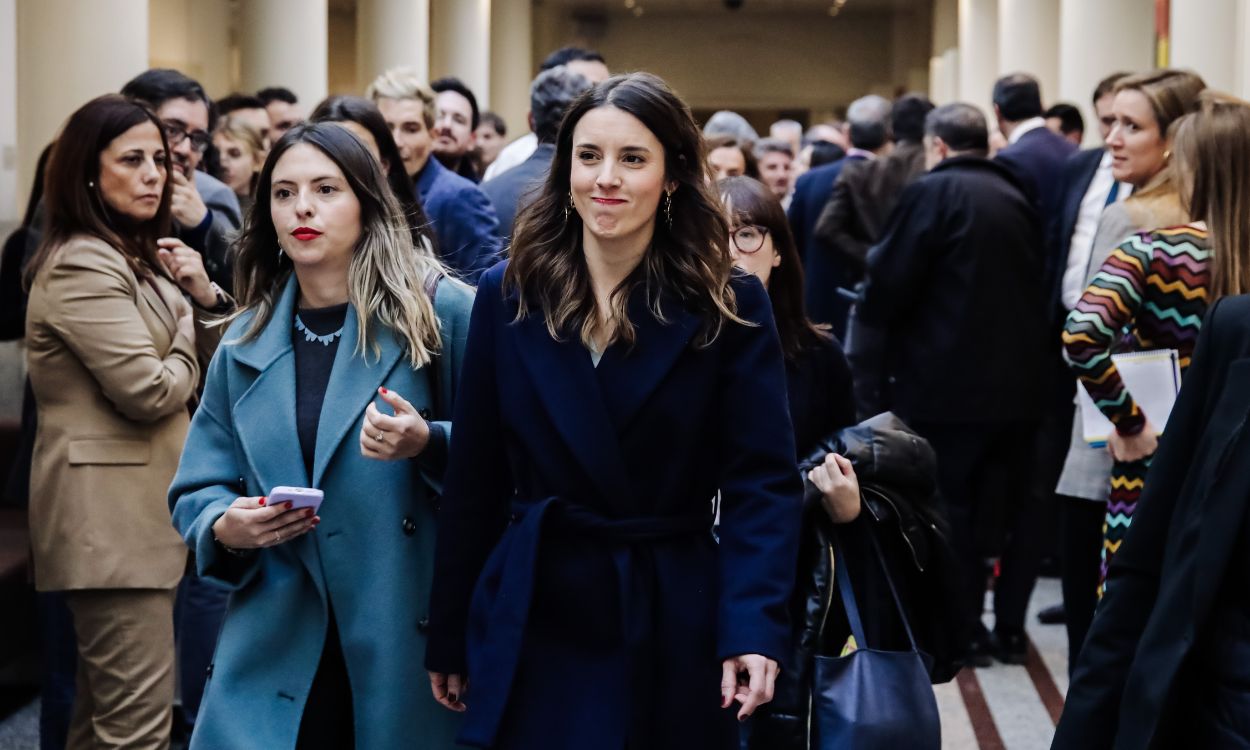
176	132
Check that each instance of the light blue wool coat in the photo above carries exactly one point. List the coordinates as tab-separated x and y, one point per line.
372	553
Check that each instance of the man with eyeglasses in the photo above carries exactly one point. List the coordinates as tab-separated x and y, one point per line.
205	209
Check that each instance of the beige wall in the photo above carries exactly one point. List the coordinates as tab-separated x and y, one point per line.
753	60
343	74
196	38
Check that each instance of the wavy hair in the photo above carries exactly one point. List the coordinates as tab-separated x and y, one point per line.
72	200
689	260
386	275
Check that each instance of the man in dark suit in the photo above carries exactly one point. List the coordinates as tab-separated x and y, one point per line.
1086	189
867	190
829	279
950	335
550	94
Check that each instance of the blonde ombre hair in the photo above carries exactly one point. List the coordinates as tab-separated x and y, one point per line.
404	83
387	275
1211	149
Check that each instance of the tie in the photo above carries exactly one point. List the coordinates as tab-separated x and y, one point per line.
1115	192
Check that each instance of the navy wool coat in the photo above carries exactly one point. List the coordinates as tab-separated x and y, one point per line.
371	555
576	578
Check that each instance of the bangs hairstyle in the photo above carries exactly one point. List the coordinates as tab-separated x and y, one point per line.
748	201
689	261
386	275
1212	148
72	200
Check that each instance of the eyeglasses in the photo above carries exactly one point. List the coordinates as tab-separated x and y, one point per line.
750	238
176	132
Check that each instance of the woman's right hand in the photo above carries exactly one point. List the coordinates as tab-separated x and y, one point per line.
839	488
449	689
1133	447
250	524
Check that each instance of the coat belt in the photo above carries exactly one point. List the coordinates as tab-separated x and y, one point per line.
497	627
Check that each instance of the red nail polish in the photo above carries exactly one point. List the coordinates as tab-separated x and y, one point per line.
383	391
316	521
262	501
289	505
308	511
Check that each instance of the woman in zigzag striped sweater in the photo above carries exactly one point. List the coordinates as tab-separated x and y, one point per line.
1150	294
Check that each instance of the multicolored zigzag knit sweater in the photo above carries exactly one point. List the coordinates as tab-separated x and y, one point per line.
1151	293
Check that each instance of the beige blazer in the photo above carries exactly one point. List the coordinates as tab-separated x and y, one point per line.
112	378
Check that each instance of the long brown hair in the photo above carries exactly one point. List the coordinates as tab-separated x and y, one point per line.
73	204
1212	149
689	259
386	276
751	202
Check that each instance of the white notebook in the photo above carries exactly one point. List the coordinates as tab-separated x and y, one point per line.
1153	378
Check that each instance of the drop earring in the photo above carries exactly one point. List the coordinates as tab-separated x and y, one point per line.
568	208
91	183
668	209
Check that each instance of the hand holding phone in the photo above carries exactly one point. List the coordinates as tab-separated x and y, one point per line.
298	497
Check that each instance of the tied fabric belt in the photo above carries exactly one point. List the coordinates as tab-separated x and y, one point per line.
497	627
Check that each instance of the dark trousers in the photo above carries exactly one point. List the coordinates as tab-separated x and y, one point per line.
198	614
58	659
984	475
1082	555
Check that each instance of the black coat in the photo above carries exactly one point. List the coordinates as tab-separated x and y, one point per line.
1078	173
818	383
1038	159
1131	680
829	277
951	323
897	471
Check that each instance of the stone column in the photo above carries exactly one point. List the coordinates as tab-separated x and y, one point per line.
1205	38
978	53
1097	39
285	43
1028	42
389	34
512	65
69	52
460	44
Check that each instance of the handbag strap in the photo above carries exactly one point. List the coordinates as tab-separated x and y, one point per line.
848	595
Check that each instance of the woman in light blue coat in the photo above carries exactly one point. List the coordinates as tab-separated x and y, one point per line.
334	376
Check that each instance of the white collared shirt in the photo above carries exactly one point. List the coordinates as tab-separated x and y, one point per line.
1082	245
1033	123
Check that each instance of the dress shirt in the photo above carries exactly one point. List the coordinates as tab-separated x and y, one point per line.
1082	245
1033	123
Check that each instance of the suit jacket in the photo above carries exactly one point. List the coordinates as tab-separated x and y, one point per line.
956	281
371	556
589	538
1038	159
112	378
464	222
212	239
863	197
513	190
826	272
1162	585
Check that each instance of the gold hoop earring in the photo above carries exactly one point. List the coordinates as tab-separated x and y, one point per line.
668	209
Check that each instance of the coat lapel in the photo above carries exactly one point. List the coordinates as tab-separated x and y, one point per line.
264	416
629	375
564	377
156	302
354	382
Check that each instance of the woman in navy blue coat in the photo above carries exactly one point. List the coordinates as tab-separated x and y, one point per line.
343	321
618	377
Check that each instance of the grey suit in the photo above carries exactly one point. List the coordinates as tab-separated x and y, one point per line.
513	190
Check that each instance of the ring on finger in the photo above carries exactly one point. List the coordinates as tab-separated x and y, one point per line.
277	538
379	436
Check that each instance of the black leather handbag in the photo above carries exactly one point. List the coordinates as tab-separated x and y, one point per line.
870	699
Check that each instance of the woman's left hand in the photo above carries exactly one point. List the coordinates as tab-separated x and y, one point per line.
385	438
748	679
839	488
187	268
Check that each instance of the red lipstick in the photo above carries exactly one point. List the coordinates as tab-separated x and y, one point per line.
304	234
608	201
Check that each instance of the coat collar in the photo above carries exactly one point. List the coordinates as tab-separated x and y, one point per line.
592	407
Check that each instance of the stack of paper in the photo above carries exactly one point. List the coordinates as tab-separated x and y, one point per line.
1152	378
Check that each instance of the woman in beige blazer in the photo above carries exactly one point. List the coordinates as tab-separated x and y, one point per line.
112	358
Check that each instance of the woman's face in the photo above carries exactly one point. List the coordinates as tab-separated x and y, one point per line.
617	175
726	161
238	163
132	172
744	235
1137	146
315	213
